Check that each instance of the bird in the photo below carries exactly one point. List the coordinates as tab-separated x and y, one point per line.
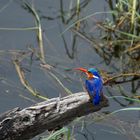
93	84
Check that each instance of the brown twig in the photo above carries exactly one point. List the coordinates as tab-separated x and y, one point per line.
112	79
24	82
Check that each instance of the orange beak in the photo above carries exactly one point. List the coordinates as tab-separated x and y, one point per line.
89	75
81	69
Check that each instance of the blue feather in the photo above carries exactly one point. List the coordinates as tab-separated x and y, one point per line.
94	87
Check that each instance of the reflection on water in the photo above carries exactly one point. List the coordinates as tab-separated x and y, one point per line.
73	35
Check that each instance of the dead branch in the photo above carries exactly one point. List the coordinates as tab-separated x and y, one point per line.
21	124
114	79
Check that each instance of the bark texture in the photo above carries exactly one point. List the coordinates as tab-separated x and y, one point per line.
22	124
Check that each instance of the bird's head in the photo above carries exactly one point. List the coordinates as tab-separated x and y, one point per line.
91	72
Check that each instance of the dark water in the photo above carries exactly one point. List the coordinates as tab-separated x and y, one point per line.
63	53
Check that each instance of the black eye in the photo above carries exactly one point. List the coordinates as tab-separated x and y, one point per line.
89	72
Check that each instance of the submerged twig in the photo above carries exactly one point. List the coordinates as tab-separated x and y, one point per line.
25	83
47	67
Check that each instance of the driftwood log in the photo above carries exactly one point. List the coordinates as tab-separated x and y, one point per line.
22	124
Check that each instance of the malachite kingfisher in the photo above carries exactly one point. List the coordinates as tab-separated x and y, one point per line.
93	84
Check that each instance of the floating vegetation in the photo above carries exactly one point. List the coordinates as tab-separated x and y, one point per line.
63	133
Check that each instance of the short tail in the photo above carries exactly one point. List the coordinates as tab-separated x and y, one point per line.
96	100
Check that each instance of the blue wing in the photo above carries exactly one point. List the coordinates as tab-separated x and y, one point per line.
94	88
